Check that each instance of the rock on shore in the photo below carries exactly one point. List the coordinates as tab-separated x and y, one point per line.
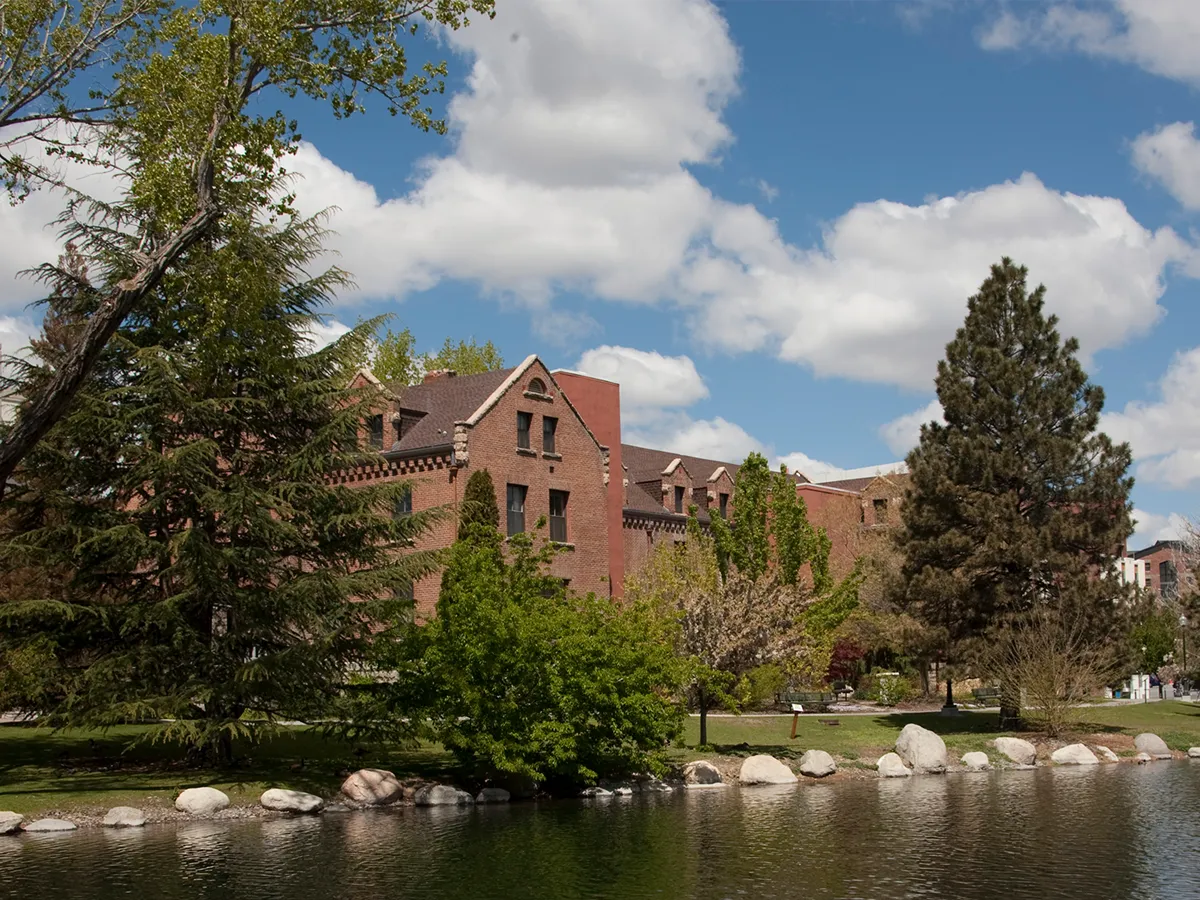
701	772
282	800
1193	753
1106	754
442	795
921	749
48	825
10	822
1152	744
493	795
372	787
1021	752
124	817
890	765
763	769
201	801
976	761
1074	755
817	764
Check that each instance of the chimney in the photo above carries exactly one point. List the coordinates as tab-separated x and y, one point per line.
439	373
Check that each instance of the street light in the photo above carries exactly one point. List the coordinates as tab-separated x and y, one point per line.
1183	637
1147	700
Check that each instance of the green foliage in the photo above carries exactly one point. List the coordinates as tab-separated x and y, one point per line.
742	543
478	508
532	680
206	570
888	688
394	360
1016	500
1152	638
465	358
760	686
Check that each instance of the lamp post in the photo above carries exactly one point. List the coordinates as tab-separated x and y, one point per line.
1183	638
1147	700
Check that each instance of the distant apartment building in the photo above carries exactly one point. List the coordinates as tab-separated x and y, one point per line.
1165	570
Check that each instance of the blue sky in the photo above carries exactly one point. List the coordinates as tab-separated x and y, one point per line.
764	217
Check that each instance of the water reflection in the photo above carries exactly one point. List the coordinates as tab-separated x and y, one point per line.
1103	832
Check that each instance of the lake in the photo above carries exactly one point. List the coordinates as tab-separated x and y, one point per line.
1117	831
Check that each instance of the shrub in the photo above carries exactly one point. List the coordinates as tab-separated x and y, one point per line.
888	688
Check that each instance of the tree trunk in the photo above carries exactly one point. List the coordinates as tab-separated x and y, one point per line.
226	748
703	703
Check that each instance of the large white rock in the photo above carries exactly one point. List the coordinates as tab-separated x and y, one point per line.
595	792
493	795
50	825
1106	754
892	766
763	769
817	764
282	800
1074	755
1193	753
124	817
201	801
442	795
701	771
373	787
975	761
1021	752
923	750
10	822
1152	744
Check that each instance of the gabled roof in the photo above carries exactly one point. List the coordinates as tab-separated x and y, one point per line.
445	401
861	484
1174	546
645	464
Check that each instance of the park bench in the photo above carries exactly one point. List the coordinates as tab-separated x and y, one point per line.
807	701
986	695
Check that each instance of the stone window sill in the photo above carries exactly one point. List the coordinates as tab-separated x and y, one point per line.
564	545
551	455
525	451
534	395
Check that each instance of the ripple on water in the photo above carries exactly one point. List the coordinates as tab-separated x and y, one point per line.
1096	833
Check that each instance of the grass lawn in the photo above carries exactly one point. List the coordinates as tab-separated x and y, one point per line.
89	772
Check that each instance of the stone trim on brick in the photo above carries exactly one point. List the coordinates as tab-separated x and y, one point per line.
427	459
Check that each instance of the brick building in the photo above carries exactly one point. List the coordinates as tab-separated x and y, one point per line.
1166	569
552	443
519	425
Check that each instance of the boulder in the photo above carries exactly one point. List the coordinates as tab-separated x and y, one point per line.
976	761
1074	755
892	766
763	769
372	787
1106	754
10	822
1143	758
595	792
1152	744
656	786
622	790
701	771
1021	752
124	817
282	800
1193	753
45	825
921	749
201	801
519	787
442	795
817	764
493	795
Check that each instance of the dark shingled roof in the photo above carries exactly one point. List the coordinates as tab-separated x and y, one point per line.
858	484
645	465
444	401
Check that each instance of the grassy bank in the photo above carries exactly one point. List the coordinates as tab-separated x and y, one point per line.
88	772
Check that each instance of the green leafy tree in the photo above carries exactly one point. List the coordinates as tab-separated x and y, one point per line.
184	118
393	358
478	508
532	680
465	358
1152	637
1017	502
207	571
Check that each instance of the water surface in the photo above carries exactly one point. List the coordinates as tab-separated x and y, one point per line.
1106	832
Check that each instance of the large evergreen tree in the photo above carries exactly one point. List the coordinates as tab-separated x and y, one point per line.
1017	502
478	507
207	568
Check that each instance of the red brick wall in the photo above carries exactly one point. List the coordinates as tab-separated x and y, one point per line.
839	513
599	403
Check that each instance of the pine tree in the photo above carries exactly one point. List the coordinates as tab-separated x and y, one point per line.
210	570
478	507
1017	503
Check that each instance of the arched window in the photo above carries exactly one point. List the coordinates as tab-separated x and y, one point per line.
537	386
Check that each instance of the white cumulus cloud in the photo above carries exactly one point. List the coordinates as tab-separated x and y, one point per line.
820	472
902	433
648	379
1165	433
1149	528
1171	156
1159	36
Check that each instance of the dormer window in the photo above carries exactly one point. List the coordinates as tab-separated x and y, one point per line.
537	386
375	431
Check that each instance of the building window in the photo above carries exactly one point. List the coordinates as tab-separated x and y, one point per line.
404	504
537	386
405	591
375	429
549	427
516	508
723	500
524	420
1168	580
558	516
678	499
881	510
